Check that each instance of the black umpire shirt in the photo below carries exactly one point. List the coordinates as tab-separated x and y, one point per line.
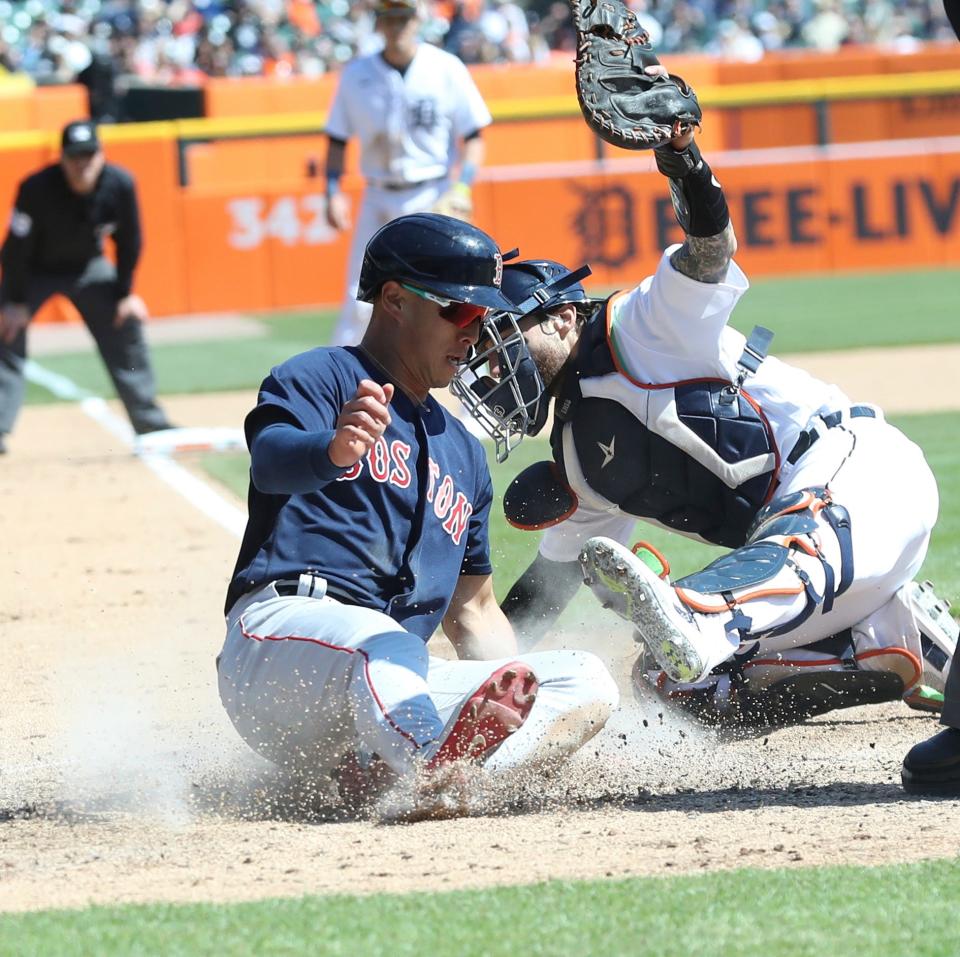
55	231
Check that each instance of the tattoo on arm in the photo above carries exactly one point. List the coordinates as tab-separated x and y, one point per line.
705	258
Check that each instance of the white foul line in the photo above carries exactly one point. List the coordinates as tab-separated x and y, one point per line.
197	492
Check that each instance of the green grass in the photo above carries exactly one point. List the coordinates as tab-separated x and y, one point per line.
807	314
818	313
880	912
209	366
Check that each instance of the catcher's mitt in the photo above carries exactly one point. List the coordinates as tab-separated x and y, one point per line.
621	102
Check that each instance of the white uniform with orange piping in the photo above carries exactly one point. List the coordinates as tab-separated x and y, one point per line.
667	337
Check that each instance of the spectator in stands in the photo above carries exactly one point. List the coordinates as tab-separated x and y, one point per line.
181	41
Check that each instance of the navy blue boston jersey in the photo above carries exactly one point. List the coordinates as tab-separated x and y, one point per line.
394	532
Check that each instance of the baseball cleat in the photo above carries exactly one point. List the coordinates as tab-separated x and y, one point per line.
493	712
624	583
932	767
939	632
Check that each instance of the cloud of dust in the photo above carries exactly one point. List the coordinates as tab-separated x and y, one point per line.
132	741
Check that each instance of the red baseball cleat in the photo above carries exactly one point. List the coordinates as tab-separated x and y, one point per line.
491	714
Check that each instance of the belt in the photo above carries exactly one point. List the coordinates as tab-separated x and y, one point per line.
292	587
832	419
288	587
397	187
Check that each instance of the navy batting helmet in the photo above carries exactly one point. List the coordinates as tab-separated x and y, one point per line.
437	253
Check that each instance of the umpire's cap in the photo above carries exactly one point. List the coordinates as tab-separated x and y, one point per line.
437	253
79	138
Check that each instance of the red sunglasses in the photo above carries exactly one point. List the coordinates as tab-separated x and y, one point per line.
461	314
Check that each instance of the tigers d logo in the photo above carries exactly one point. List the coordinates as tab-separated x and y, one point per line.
605	224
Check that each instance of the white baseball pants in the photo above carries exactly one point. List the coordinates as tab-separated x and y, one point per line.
305	680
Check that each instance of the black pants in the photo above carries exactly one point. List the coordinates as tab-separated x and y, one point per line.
123	350
952	8
951	698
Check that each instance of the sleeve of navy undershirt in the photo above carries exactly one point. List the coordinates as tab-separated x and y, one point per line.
290	430
285	460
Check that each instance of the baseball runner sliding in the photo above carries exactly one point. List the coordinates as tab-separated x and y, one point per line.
368	530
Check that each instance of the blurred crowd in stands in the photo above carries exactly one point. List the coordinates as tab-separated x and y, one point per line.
181	41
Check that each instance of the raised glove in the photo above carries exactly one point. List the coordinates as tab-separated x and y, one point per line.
456	201
621	102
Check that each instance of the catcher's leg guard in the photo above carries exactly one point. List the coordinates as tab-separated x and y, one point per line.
775	582
914	636
784	688
489	716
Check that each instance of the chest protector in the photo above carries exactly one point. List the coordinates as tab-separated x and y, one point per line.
697	456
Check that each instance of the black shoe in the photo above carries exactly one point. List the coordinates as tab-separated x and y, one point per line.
933	766
147	429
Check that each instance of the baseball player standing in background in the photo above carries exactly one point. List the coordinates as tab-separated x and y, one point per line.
418	116
60	219
368	514
664	413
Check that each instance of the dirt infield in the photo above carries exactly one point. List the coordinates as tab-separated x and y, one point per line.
121	779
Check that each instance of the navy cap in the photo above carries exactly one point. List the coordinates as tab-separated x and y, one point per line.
79	137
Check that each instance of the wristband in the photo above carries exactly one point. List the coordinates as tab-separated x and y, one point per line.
698	200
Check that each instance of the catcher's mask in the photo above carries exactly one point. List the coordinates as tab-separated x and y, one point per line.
447	257
500	384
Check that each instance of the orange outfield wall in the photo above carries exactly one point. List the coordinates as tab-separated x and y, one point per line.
813	210
800	210
42	107
248	96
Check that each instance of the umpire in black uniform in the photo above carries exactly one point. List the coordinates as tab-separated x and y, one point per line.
61	217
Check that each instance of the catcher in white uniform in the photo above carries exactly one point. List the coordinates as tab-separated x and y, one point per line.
664	413
418	117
